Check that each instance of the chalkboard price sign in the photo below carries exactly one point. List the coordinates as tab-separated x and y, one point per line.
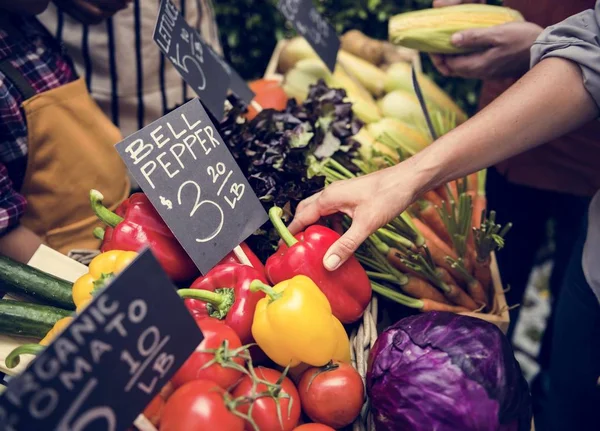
184	47
309	23
237	85
105	367
193	181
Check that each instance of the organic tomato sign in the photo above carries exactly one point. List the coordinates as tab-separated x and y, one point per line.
192	58
193	181
309	23
109	363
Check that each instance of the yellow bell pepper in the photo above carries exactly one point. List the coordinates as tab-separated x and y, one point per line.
102	268
56	329
293	324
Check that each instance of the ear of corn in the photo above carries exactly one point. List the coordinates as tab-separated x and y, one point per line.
370	148
399	135
371	77
295	49
402	106
398	77
430	30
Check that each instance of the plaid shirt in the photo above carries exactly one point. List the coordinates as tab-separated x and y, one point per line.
39	59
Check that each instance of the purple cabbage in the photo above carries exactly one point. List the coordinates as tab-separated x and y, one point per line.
446	372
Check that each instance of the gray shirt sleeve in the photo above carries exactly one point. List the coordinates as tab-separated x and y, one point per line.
576	39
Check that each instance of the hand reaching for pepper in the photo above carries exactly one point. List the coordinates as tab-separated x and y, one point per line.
370	201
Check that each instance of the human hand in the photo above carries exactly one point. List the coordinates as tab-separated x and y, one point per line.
92	11
505	51
371	201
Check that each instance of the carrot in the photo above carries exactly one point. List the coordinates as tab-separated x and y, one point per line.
483	273
479	200
429	305
430	216
422	289
445	276
474	286
446	198
472	181
454	189
434	198
479	204
438	248
415	285
459	297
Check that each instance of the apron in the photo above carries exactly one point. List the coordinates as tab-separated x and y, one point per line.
70	151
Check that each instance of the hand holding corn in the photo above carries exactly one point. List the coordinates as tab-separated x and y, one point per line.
501	51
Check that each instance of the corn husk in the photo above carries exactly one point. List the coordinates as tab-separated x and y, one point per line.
372	150
399	135
430	30
295	50
398	77
370	77
402	106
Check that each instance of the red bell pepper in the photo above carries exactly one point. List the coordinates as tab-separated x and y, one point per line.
254	260
136	224
224	293
347	288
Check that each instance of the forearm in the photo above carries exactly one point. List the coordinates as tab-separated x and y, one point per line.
547	102
20	244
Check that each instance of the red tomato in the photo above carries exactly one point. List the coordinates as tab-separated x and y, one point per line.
264	409
268	94
332	395
313	427
215	333
199	405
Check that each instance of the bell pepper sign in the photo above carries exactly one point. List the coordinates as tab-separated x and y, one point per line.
224	293
134	225
348	288
294	324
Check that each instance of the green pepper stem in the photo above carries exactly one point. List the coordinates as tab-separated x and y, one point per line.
103	213
13	359
259	286
98	233
212	298
275	214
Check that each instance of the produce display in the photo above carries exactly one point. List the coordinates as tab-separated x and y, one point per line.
276	353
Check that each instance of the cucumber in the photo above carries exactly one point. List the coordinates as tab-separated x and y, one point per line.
24	280
28	320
